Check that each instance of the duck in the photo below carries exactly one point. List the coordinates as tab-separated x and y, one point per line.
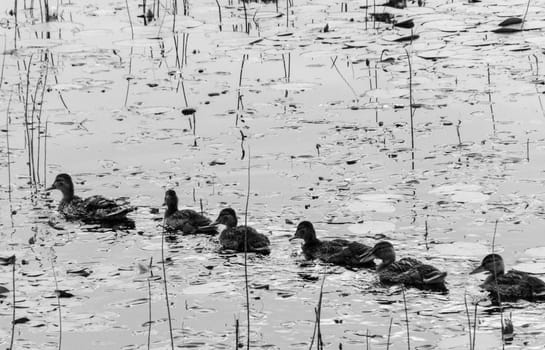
338	251
94	209
407	271
232	236
187	221
508	286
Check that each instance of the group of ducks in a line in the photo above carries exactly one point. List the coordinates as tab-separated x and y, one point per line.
502	286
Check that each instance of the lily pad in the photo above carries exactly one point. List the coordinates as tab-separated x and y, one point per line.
469	197
537	268
462	249
381	203
537	252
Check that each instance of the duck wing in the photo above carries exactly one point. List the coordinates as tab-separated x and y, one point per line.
412	272
233	239
189	222
100	208
348	254
74	209
515	285
257	242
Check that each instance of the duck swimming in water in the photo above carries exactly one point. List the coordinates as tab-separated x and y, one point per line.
338	251
95	209
407	271
232	236
186	220
511	285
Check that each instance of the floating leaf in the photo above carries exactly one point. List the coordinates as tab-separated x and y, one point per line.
510	21
462	249
506	30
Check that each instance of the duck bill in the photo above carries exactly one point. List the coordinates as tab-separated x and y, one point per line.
477	270
50	188
293	238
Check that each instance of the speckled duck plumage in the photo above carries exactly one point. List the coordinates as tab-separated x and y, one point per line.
338	251
407	271
186	221
509	286
232	236
94	209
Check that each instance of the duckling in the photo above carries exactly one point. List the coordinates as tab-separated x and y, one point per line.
338	251
407	271
95	209
232	236
186	220
509	286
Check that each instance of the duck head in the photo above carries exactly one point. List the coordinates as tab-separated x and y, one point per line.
491	264
171	201
63	183
227	217
305	231
383	251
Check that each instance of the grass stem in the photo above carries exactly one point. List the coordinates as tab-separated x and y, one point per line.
406	319
165	285
246	254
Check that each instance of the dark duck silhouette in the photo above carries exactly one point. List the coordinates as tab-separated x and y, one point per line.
338	251
95	209
232	236
407	271
509	286
186	220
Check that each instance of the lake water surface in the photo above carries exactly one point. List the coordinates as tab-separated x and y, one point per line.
323	114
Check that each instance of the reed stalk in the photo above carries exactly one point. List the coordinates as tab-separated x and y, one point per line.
287	14
411	112
57	293
12	261
239	95
490	99
149	302
406	319
16	24
458	133
130	19
468	322
525	14
495	282
219	14
8	148
246	253
236	333
528	150
165	285
389	334
317	332
3	63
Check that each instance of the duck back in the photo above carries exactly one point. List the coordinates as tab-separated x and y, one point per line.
514	285
233	239
412	272
189	222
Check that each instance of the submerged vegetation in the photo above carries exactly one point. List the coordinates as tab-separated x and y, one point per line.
414	123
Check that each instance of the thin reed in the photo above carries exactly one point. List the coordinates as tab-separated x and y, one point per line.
165	285
247	288
406	319
57	293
